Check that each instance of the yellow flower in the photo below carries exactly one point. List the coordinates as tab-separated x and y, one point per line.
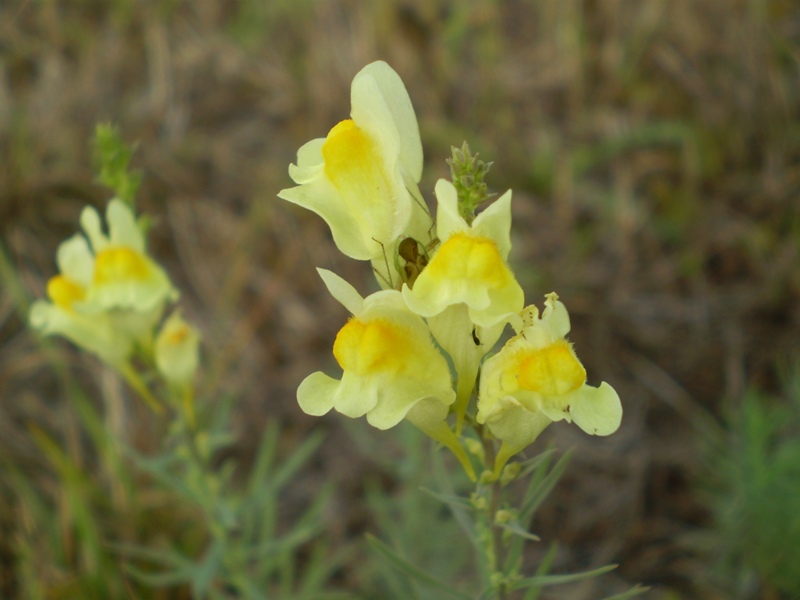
123	276
107	297
177	350
362	178
467	291
537	379
470	265
391	368
96	333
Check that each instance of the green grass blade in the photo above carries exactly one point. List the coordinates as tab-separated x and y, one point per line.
547	580
634	591
535	499
411	570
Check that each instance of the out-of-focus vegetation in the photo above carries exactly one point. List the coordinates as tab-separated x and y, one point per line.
654	151
753	483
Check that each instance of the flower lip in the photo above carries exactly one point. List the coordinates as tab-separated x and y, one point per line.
551	371
63	291
372	347
119	273
470	265
473	258
116	264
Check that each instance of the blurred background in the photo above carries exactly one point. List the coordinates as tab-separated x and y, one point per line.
653	147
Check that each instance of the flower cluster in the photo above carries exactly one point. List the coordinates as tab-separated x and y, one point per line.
416	349
110	295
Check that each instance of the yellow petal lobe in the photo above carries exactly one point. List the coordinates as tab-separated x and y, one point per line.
551	371
351	164
177	335
471	258
119	264
375	346
63	291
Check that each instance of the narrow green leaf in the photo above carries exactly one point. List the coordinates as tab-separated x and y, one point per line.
161	579
461	514
634	591
165	556
534	500
293	463
448	499
546	580
245	588
538	488
159	467
264	459
327	596
411	570
319	566
543	568
287	543
518	530
489	593
208	570
529	466
12	284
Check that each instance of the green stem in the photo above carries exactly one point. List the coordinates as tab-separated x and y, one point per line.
187	399
134	380
495	501
493	506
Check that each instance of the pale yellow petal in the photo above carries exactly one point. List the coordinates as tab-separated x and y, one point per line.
512	423
598	411
122	227
389	88
495	223
94	333
340	289
75	260
448	219
90	222
351	234
555	318
177	350
315	394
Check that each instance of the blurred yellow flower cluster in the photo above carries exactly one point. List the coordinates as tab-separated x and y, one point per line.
416	349
110	296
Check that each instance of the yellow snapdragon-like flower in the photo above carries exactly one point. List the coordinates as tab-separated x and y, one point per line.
470	265
108	296
362	178
467	292
96	333
391	368
123	275
177	350
537	379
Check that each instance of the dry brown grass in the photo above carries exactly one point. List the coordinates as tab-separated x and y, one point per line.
653	148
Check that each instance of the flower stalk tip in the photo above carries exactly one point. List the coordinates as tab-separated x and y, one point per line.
467	173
